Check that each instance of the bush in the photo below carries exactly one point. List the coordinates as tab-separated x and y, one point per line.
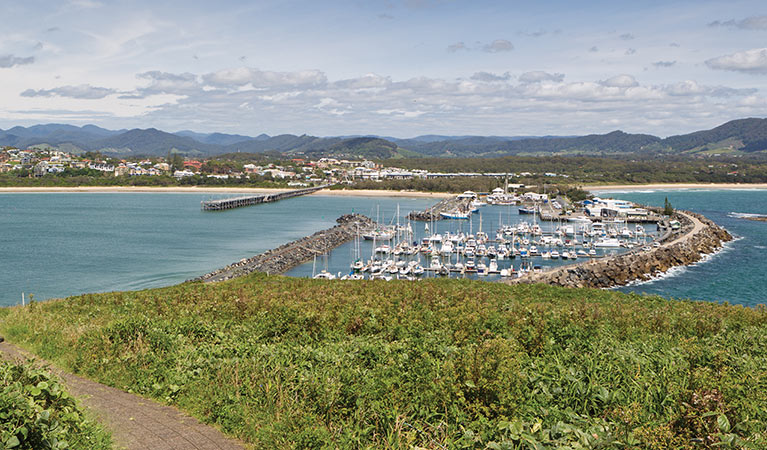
37	413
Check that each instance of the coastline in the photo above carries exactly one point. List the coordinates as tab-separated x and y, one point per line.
672	186
218	190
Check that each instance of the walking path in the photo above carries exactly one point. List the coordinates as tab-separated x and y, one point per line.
136	423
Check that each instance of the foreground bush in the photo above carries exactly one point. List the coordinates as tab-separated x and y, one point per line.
36	413
295	363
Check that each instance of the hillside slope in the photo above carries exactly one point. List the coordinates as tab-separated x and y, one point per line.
296	363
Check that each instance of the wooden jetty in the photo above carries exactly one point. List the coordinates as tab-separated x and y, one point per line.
238	202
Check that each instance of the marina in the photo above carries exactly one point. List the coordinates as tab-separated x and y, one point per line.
496	242
143	240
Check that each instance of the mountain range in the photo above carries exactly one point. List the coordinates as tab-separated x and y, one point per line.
740	136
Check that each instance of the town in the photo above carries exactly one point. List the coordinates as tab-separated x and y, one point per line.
296	172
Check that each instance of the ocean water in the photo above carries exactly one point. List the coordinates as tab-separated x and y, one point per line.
738	274
60	244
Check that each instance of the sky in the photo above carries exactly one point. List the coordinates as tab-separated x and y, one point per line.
397	68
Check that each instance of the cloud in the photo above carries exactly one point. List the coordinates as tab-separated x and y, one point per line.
166	83
488	77
458	46
368	81
260	79
749	61
498	45
385	16
689	87
8	61
749	23
674	44
626	37
620	81
594	49
663	63
83	91
538	76
631	51
373	103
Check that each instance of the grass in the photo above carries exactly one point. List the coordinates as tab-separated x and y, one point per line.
37	413
295	363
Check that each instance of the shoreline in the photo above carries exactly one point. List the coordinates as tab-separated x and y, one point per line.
219	190
674	186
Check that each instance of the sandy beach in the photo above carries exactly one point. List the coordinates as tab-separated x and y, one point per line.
670	186
222	190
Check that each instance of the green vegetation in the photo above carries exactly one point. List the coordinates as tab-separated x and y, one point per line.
594	170
98	179
668	210
36	413
297	363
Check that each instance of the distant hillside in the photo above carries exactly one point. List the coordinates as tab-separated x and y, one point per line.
747	135
214	138
615	142
152	142
735	137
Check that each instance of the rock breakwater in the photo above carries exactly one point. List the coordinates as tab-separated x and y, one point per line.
697	237
292	254
448	204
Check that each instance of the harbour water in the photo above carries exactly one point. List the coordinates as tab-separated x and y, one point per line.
738	274
60	244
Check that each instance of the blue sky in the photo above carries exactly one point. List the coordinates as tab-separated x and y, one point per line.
398	68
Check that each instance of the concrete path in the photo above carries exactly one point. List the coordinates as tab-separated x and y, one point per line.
136	423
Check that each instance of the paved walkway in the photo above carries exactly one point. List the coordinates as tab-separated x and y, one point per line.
136	423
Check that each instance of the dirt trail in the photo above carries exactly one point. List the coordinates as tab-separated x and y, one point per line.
136	423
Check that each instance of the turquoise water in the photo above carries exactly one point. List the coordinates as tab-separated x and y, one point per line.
736	275
55	245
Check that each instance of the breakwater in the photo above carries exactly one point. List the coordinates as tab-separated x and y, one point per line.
238	202
445	205
292	254
698	236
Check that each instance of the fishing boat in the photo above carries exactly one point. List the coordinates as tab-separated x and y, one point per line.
455	215
526	210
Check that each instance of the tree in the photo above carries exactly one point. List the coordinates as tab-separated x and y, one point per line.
667	208
175	161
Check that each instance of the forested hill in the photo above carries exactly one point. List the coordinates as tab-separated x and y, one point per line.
743	136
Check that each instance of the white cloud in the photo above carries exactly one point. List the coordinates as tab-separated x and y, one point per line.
626	37
749	61
538	76
663	63
488	77
620	81
83	91
260	79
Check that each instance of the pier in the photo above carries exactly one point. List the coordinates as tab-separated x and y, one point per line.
446	205
239	202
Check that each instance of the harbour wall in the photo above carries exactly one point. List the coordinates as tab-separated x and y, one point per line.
697	237
292	254
445	205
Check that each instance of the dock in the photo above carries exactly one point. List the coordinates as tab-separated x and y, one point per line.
445	205
239	202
